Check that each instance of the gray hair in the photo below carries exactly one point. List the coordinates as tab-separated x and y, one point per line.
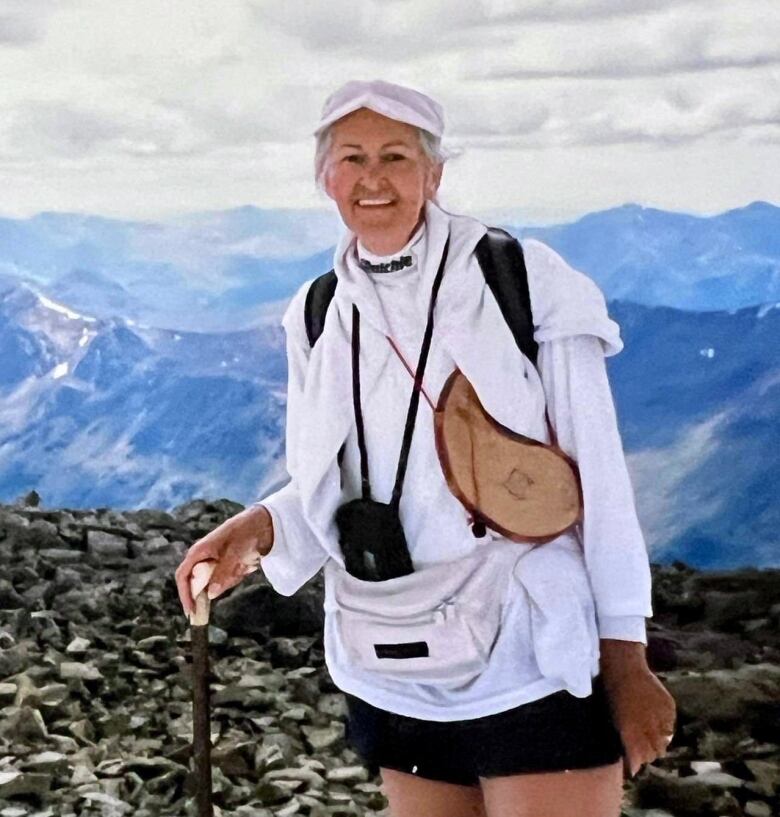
430	144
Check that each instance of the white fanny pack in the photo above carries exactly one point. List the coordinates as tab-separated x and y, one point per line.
437	625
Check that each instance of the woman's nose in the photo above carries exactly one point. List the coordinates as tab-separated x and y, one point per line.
373	169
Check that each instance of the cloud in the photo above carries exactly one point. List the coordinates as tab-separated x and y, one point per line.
653	114
211	100
383	29
23	21
73	131
632	67
682	41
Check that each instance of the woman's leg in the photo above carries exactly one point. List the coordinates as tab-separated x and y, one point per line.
594	792
412	796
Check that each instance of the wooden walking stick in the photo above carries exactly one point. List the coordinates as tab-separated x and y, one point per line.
201	714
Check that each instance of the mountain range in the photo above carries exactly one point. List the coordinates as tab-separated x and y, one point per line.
226	270
113	406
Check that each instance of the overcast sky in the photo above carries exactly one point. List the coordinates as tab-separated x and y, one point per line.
559	107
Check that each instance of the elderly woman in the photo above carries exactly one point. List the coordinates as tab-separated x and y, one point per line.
565	702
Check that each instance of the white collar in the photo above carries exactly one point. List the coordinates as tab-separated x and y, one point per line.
414	247
354	286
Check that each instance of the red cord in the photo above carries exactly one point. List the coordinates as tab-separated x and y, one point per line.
409	369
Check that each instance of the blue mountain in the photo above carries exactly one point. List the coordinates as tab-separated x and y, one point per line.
144	364
698	401
656	257
103	412
219	271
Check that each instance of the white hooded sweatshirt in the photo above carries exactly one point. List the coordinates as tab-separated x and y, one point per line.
591	583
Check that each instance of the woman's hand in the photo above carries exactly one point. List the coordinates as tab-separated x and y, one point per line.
643	710
232	551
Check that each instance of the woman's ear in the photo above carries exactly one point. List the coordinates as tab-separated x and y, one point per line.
325	181
433	180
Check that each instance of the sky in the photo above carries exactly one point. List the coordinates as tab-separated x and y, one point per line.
554	108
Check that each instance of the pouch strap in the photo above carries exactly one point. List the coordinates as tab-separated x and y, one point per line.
364	481
413	402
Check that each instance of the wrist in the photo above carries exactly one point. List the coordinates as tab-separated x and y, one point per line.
263	524
618	656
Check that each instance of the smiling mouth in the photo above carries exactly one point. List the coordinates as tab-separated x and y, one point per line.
375	203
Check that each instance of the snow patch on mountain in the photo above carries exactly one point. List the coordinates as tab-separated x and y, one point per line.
670	503
69	313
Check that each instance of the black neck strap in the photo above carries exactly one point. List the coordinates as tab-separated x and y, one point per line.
413	402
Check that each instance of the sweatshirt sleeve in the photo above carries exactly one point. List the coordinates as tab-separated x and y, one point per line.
582	411
575	334
296	554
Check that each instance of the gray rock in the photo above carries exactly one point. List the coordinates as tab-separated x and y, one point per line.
269	682
333	704
704	766
64	743
7	693
17	811
292	808
278	750
108	546
23	724
272	792
9	598
83	730
13	659
245	697
108	803
724	697
46	697
348	774
32	499
75	669
757	808
700	795
153	518
767	773
155	546
329	739
78	646
298	713
15	783
61	556
308	776
254	607
82	774
53	763
234	758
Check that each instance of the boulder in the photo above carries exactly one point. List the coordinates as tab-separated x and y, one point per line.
256	609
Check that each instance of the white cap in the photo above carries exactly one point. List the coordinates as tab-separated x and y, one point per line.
394	101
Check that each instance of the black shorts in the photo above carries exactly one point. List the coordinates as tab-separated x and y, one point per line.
554	733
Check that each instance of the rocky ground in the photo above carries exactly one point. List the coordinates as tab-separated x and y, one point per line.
95	711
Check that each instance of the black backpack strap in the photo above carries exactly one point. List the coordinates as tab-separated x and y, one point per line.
501	258
318	300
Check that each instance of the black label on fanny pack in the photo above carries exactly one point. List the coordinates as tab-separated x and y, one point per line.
411	649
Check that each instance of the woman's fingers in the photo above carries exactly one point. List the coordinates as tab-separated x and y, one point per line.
230	554
201	573
640	753
204	549
228	573
647	747
646	715
182	574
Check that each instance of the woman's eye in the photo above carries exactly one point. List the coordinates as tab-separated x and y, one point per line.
394	157
352	158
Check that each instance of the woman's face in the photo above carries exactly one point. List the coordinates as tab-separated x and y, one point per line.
379	176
